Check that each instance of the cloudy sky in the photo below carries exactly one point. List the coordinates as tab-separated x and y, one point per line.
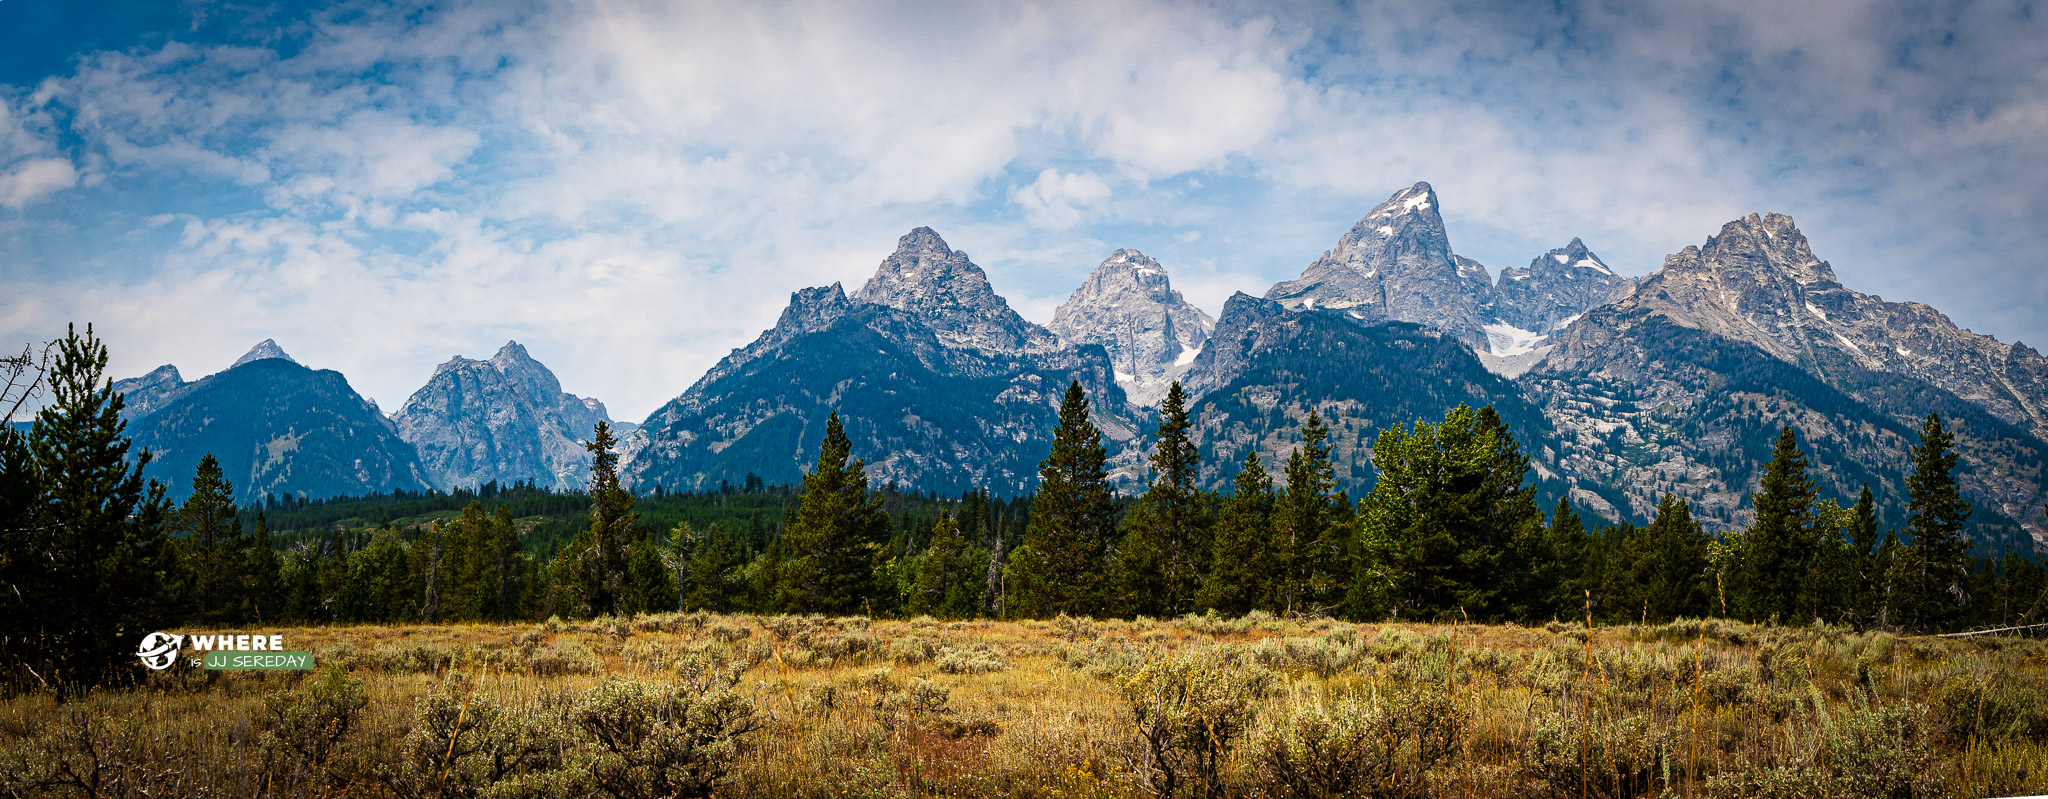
633	189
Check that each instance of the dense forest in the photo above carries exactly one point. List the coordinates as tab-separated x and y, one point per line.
92	557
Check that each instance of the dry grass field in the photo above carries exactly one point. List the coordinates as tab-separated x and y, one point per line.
704	704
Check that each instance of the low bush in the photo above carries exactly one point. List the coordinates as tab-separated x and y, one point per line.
978	658
1188	710
1358	746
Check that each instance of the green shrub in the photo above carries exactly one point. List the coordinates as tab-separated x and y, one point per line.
1188	710
910	650
977	658
662	740
1993	711
462	744
1381	748
1864	754
1594	756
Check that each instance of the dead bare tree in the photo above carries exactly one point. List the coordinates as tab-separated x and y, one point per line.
24	375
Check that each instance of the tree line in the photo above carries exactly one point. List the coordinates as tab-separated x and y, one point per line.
92	557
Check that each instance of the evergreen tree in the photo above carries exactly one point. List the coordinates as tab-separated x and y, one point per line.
946	579
1832	577
303	601
86	561
212	554
650	586
1449	524
712	575
1887	569
684	542
1242	568
596	561
1308	540
430	553
1676	577
1168	540
262	591
383	582
511	571
1863	542
20	563
482	566
1775	555
833	543
477	568
1510	530
1558	566
1063	566
1938	558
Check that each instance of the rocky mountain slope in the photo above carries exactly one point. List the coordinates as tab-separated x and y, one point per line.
1556	288
1267	366
1676	387
275	426
942	386
144	395
1128	306
942	290
1396	264
504	419
1759	282
1672	383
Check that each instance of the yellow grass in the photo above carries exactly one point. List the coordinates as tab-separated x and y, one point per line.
853	707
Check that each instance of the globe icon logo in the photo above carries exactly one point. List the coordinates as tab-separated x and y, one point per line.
159	650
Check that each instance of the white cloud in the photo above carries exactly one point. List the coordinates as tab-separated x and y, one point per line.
1057	200
632	188
27	181
31	168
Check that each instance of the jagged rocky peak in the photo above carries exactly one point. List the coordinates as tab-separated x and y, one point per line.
505	419
1128	306
143	395
1396	264
1759	282
513	356
267	349
813	306
1758	252
1556	288
942	288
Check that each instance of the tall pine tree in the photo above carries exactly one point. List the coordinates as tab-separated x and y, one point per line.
1558	567
1168	540
1063	566
1773	558
1448	526
212	555
1676	581
1309	544
946	578
1242	566
597	558
1864	538
1937	568
262	573
86	583
831	547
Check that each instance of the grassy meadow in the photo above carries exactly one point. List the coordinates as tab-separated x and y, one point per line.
748	706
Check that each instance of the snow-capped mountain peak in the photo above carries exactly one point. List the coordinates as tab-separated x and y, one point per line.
1128	306
263	350
943	288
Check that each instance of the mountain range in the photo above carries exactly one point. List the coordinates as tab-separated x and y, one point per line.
1620	389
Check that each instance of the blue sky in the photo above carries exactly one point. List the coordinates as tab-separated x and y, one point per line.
633	189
